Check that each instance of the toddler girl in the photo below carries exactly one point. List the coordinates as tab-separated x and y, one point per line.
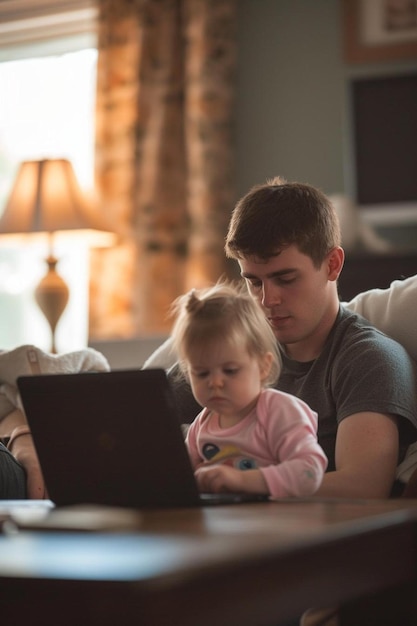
248	437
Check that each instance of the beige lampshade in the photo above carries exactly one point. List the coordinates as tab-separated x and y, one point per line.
46	197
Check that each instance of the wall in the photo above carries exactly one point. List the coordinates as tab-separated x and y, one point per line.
290	93
293	100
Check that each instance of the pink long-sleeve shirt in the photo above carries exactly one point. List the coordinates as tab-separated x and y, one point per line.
279	437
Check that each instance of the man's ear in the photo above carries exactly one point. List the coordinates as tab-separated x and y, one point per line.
335	261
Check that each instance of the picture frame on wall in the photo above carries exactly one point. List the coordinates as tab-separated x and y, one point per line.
379	30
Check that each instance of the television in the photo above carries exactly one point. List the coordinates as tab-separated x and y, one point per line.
384	120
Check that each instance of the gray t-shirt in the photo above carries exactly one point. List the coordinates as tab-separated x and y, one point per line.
360	369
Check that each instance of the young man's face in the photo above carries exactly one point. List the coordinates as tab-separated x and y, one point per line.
299	300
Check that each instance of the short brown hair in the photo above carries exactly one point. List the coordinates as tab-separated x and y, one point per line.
277	214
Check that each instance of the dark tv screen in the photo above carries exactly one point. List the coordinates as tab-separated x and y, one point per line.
385	139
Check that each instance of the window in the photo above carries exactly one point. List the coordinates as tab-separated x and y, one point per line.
47	100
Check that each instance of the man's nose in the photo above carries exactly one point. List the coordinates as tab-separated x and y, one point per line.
270	296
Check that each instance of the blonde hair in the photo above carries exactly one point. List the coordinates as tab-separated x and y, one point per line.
224	312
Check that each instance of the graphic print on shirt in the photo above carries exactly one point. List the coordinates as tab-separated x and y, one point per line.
228	455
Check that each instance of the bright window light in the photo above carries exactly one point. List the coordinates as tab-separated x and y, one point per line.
46	111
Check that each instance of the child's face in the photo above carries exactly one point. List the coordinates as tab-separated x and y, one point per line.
226	379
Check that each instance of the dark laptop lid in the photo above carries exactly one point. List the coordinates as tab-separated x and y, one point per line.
111	438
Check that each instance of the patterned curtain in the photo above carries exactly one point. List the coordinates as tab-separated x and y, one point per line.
164	156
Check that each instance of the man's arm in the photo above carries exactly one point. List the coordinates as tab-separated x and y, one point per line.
366	458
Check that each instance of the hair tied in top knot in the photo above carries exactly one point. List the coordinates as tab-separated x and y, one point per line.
194	304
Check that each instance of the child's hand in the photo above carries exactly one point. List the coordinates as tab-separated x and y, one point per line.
219	478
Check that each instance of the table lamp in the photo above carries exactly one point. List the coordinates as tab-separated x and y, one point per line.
46	198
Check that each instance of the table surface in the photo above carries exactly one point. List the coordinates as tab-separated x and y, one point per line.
243	564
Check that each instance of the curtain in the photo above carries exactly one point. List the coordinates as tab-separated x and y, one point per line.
164	156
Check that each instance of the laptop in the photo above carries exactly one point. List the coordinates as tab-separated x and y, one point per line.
114	439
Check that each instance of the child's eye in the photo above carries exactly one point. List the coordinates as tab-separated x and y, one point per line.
230	371
198	373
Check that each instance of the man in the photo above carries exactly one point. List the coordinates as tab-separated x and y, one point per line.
286	239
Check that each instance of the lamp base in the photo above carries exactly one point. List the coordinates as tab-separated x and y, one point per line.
52	296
